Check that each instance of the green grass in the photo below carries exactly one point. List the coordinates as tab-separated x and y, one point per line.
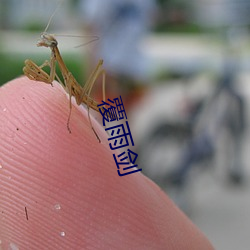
10	68
12	65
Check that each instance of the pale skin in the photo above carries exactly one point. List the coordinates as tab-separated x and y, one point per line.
71	86
69	185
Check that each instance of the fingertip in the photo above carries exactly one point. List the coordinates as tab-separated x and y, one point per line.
61	190
43	166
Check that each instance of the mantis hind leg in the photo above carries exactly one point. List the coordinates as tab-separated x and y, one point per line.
92	127
68	83
88	102
88	87
70	90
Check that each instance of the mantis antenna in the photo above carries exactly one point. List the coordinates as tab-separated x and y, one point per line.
94	38
53	14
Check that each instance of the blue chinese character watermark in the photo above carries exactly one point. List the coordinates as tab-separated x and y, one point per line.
112	111
120	136
128	166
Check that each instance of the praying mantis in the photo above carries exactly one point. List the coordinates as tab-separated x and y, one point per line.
69	83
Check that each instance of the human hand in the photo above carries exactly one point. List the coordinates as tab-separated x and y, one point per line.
62	191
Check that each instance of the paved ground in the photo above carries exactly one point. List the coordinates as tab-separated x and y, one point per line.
222	213
221	210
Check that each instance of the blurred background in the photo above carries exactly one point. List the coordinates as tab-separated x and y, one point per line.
183	71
